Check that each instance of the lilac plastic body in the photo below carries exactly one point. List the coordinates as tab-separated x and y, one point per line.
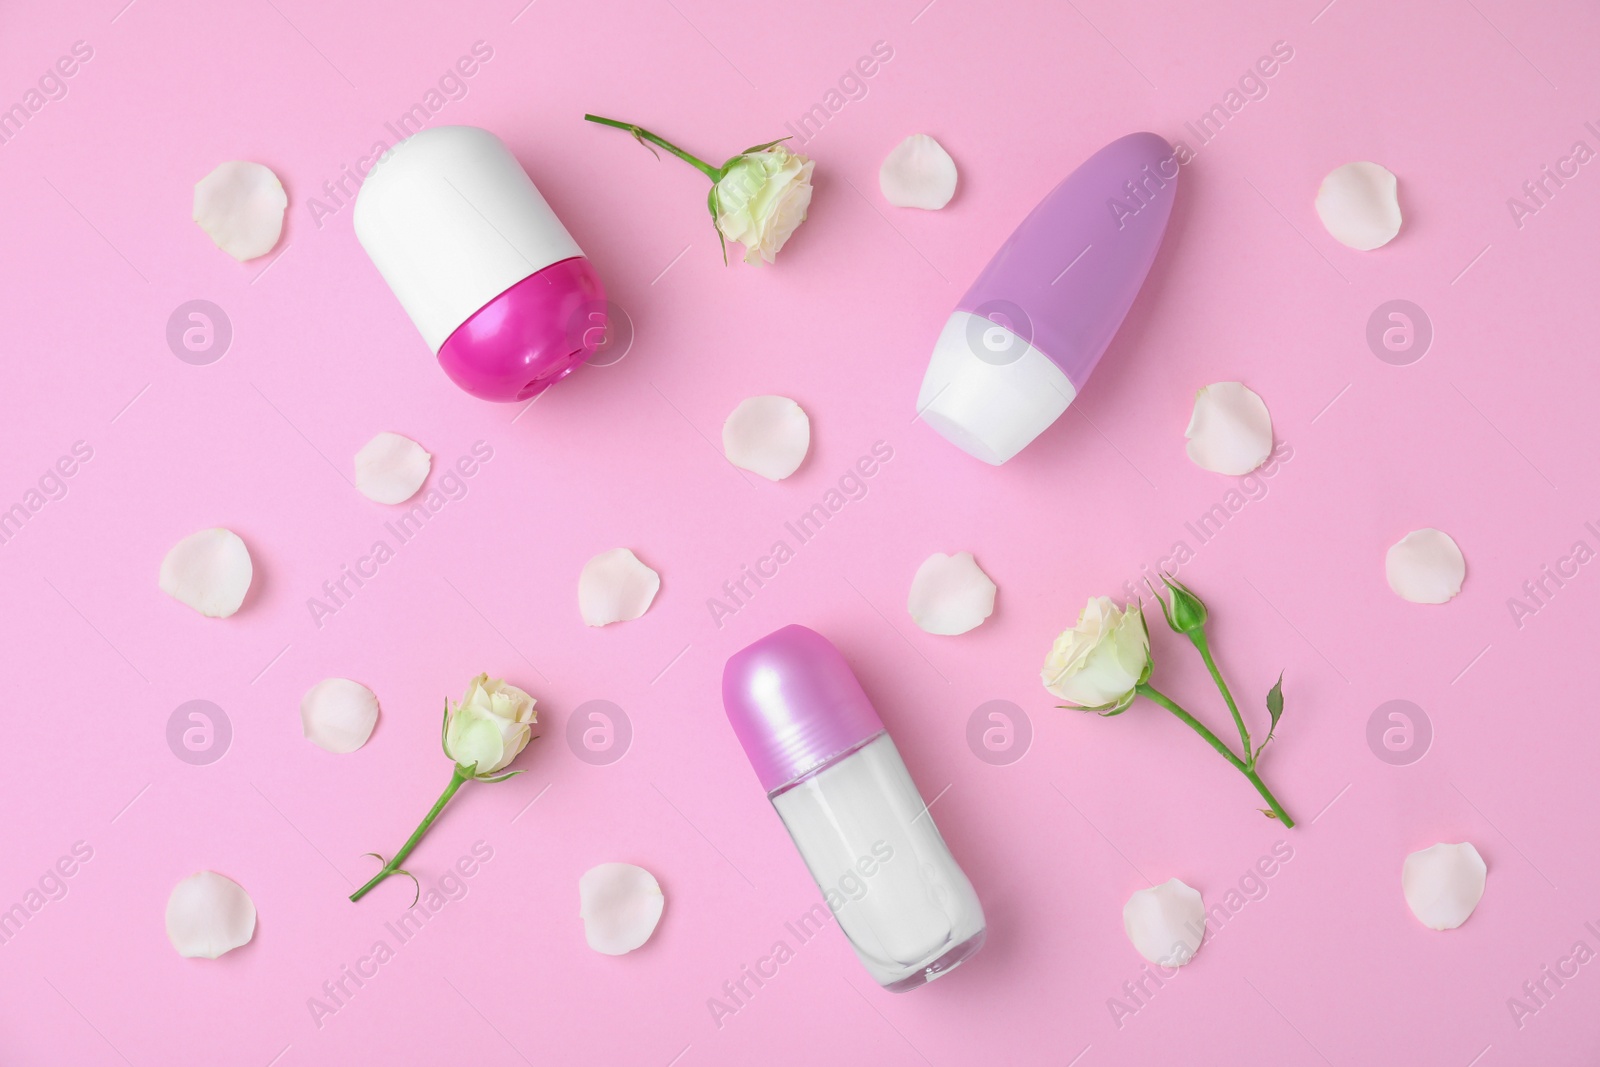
530	336
1065	278
795	704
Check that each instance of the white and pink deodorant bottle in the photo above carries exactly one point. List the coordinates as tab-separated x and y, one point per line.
497	286
837	781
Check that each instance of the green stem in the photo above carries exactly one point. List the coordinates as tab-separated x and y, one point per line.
645	135
1198	637
1147	690
458	777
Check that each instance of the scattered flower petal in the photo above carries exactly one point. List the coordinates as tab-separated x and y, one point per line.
240	205
767	435
620	905
391	468
1166	923
1425	567
338	714
918	173
615	587
210	571
950	594
208	915
1358	205
1443	884
1230	431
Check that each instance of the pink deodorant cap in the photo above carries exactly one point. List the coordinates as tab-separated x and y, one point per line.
1021	343
494	282
795	705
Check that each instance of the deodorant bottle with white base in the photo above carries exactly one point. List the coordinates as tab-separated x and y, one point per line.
1023	340
497	286
838	783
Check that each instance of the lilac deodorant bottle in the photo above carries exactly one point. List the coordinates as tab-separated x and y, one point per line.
1022	341
837	781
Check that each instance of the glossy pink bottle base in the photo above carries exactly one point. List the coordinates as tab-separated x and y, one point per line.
530	336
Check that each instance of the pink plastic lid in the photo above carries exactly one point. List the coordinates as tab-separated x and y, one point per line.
795	704
530	336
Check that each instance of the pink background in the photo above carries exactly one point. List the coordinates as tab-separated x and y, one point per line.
1488	437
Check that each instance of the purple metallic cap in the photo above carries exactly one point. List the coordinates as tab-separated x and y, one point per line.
795	704
1064	280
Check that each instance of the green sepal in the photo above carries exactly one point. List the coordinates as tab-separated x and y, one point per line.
1188	612
1166	612
1116	707
1149	660
711	204
759	148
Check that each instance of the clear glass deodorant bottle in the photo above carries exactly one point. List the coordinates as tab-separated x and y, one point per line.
838	783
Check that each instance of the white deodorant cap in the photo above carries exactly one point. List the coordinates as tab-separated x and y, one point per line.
988	391
452	220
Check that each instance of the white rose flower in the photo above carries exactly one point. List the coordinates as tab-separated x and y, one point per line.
483	733
1097	664
761	200
490	726
758	198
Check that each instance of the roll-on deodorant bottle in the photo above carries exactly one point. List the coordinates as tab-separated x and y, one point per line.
497	286
840	787
1021	343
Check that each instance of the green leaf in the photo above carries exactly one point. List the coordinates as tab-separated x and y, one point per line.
1268	812
1275	709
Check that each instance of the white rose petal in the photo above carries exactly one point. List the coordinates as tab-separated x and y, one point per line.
338	714
1443	884
1358	205
391	468
1166	923
767	435
1425	567
918	173
1230	431
620	905
240	205
615	587
950	594
208	915
210	571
